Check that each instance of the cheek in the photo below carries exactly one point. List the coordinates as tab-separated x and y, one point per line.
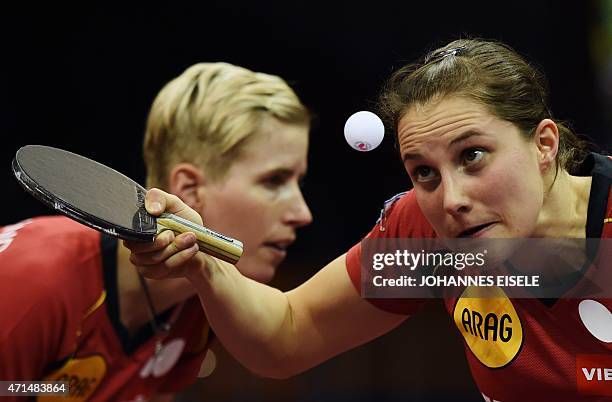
432	207
245	216
515	188
235	214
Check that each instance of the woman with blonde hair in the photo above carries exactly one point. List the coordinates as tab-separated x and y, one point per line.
231	144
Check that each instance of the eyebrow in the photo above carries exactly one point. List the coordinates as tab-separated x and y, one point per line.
279	170
465	136
283	172
462	137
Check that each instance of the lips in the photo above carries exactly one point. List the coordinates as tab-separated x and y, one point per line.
279	247
475	231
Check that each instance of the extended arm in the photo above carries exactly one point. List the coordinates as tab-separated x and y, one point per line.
272	333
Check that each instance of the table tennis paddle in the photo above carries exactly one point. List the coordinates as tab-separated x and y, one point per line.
106	200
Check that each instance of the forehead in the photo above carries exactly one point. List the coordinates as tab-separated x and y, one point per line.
440	120
279	135
276	143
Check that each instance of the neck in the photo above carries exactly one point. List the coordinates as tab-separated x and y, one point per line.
564	211
133	308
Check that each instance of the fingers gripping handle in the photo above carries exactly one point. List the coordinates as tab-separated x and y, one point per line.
209	241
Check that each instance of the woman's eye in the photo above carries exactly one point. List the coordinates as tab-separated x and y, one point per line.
275	181
472	156
424	174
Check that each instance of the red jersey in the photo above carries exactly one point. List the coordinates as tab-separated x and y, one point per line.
558	350
59	318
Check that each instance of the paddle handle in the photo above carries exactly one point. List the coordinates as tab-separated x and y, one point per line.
209	241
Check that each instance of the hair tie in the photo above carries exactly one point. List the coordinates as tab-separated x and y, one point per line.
456	51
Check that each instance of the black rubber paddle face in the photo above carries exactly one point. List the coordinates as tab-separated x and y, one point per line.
86	191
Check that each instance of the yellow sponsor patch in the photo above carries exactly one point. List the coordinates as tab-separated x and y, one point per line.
83	377
489	324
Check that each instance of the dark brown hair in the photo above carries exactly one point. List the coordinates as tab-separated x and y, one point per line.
487	72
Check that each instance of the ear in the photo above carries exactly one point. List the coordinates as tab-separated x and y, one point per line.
185	181
546	138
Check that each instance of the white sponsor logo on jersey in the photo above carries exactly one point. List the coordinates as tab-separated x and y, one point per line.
597	319
8	234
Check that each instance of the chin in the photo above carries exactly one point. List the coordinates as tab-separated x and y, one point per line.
264	277
257	270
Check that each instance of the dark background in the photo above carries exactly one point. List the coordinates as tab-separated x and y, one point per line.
82	78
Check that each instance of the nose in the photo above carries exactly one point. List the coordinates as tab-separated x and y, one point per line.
455	202
298	214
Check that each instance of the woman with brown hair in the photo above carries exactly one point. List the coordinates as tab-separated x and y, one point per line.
487	160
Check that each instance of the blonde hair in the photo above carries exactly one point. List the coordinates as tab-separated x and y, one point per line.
205	116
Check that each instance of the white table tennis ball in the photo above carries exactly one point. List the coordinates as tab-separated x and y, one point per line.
364	131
